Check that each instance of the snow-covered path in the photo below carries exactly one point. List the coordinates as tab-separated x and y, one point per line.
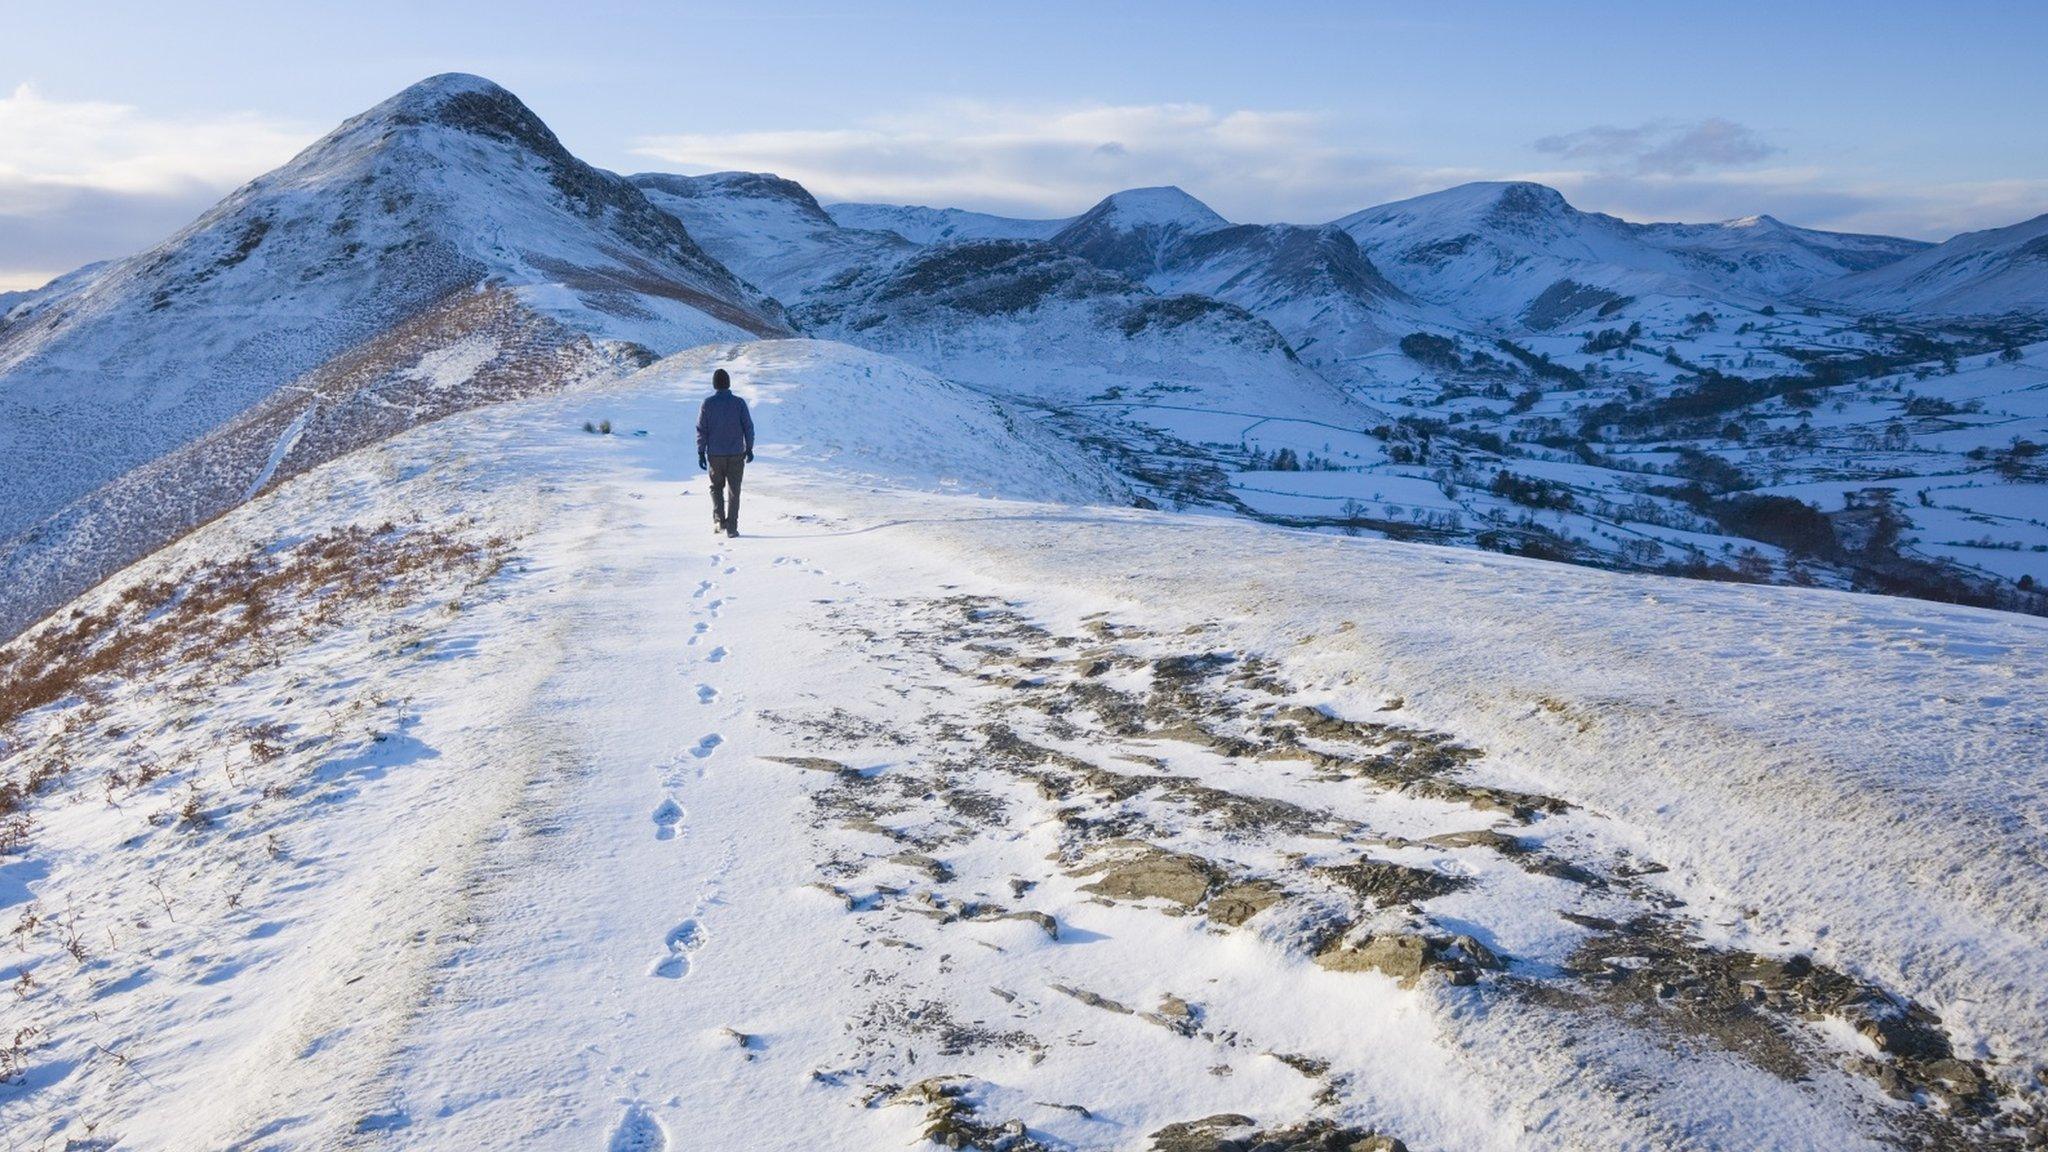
1036	825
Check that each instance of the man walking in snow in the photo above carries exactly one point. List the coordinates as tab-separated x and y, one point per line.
725	445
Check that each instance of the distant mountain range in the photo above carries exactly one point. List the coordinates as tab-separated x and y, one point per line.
444	250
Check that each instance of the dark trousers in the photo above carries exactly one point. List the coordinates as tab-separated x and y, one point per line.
726	470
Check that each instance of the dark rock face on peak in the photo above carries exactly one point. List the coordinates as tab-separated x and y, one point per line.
952	291
469	104
1294	257
1523	199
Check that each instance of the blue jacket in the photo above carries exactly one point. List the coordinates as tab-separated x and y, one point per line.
724	427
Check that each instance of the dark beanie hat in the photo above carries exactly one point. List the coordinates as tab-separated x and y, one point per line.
720	380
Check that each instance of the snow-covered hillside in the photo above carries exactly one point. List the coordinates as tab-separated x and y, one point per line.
1312	284
1514	252
374	236
1519	252
1163	387
1989	273
1763	256
769	228
921	225
878	419
475	796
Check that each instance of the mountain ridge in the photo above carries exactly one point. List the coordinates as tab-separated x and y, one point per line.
382	229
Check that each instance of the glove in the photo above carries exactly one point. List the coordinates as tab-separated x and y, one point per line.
750	455
702	462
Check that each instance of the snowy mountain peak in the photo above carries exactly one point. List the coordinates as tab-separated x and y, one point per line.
426	96
1166	206
446	224
1524	198
462	102
1504	202
1133	231
1492	207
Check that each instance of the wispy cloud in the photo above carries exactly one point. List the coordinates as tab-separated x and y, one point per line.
1806	195
87	180
1059	160
1663	147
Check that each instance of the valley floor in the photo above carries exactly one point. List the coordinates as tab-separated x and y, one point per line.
1021	826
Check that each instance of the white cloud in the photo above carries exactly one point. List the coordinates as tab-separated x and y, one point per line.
1663	147
90	180
50	147
22	279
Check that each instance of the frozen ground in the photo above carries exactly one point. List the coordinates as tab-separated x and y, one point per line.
533	815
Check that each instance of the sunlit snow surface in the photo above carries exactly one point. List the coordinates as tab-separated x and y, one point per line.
528	872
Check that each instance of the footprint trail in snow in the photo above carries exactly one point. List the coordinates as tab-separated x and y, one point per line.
638	1131
682	943
668	818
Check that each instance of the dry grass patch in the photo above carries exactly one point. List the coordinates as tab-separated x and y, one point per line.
224	613
207	625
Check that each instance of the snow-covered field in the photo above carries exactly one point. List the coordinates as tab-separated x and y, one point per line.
956	799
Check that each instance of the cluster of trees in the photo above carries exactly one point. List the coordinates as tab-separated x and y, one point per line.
1794	525
1532	492
1288	460
1608	339
1432	351
2020	460
1541	364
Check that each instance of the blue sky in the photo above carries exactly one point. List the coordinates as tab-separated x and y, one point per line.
119	121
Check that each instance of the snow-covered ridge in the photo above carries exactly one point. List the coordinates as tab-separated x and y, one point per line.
913	809
1988	273
922	225
871	418
378	231
739	186
1490	247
